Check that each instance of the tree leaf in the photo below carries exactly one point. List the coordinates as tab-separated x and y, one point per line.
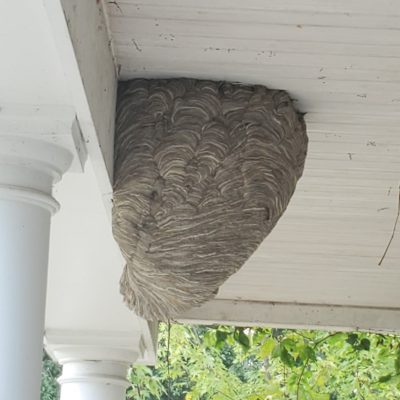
276	352
397	363
320	381
365	344
308	353
220	338
320	396
288	343
338	337
267	348
210	338
385	378
286	357
352	338
244	340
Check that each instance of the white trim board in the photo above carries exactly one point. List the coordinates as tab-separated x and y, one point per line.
295	315
81	36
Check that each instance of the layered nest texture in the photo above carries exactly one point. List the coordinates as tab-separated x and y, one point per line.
203	172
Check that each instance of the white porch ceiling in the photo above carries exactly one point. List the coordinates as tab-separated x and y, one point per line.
341	62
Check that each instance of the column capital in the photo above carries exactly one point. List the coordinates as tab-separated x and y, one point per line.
95	363
75	346
28	152
29	168
31	131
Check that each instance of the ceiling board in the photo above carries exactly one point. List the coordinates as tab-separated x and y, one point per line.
340	62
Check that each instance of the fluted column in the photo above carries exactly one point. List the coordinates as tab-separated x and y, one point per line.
28	170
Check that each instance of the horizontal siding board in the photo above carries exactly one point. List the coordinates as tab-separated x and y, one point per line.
351	118
249	31
364	7
357	107
334	225
354	91
266	47
369	132
244	58
328	191
341	19
281	291
258	72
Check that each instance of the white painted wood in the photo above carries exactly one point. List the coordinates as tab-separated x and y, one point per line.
87	380
85	263
30	71
22	293
48	123
237	44
50	112
69	345
295	316
84	307
245	13
340	61
28	169
303	47
384	7
249	31
81	37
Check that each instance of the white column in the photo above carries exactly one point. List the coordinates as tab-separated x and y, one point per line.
28	169
93	380
95	363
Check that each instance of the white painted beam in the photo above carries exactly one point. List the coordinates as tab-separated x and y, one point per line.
295	316
82	40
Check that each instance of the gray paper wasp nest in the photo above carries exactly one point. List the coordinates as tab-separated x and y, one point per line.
203	172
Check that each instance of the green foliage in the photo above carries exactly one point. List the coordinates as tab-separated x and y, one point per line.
228	363
145	384
223	363
50	373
